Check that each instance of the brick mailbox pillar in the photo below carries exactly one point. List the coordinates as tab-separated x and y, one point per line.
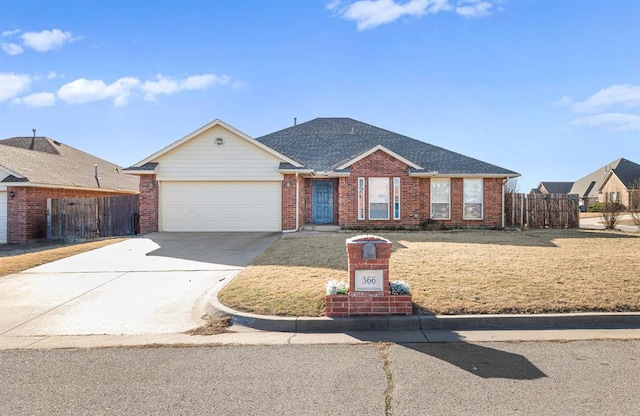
368	282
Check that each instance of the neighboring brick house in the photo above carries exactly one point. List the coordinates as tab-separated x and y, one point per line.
617	181
33	169
335	171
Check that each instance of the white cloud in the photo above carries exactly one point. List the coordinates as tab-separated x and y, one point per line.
12	48
201	82
474	8
52	75
46	40
615	121
37	100
624	95
168	86
83	91
369	14
12	84
10	32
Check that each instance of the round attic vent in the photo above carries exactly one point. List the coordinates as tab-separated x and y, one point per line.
219	142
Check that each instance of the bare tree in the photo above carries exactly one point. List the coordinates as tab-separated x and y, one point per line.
510	191
634	201
610	212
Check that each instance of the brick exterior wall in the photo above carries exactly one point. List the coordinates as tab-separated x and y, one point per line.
27	210
148	204
414	200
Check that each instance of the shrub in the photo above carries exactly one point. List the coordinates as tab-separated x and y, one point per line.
336	287
399	287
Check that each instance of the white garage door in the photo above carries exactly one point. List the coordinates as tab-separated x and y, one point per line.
3	217
220	206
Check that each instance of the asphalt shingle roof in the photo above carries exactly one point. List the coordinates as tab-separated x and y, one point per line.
42	160
324	144
557	187
589	186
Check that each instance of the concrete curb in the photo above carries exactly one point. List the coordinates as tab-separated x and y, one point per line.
623	320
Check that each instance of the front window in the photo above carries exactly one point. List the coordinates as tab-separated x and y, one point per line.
378	198
396	198
473	199
440	199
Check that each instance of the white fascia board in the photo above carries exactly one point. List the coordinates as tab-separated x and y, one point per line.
140	172
81	188
461	175
289	171
216	122
605	180
375	149
4	172
332	174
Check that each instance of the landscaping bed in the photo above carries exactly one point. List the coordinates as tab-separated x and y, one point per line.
455	272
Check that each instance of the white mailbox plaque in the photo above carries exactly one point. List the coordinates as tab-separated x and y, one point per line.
369	280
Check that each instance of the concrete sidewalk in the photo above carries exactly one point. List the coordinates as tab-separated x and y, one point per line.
247	336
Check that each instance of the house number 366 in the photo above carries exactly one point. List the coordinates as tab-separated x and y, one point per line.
369	280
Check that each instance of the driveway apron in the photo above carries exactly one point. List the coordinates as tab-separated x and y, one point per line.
146	285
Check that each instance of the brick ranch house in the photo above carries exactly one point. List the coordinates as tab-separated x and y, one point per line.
33	169
336	171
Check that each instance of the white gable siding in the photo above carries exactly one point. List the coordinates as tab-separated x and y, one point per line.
200	159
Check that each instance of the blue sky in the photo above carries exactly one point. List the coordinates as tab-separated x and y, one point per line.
547	88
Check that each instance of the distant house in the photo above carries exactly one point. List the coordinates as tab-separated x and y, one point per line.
553	188
33	169
328	171
613	182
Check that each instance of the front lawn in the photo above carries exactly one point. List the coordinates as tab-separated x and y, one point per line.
456	272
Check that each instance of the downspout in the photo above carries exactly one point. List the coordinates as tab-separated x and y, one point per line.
504	186
297	207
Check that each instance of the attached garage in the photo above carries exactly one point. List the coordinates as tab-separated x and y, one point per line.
220	206
3	217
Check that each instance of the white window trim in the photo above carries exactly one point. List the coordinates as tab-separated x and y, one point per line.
396	196
388	199
362	202
431	199
464	202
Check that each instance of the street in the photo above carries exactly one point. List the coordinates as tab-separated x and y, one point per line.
579	377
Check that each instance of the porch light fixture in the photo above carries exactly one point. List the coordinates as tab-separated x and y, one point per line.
152	183
12	194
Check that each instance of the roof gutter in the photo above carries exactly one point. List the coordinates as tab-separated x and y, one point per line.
80	188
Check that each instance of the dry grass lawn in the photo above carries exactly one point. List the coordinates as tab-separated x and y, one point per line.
456	272
16	258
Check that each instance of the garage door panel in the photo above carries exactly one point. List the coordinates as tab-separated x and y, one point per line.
220	206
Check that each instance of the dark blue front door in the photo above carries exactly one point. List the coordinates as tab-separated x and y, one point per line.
322	202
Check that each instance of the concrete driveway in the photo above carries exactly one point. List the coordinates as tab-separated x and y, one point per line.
148	285
595	223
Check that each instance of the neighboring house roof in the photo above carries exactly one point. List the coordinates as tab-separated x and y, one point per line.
556	187
45	162
590	185
332	144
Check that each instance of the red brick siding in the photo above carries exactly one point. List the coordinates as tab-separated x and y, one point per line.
368	303
148	204
415	203
27	210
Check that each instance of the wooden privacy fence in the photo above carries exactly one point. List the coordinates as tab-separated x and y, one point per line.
542	210
83	218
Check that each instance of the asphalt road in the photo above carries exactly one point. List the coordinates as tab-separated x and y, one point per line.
586	377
